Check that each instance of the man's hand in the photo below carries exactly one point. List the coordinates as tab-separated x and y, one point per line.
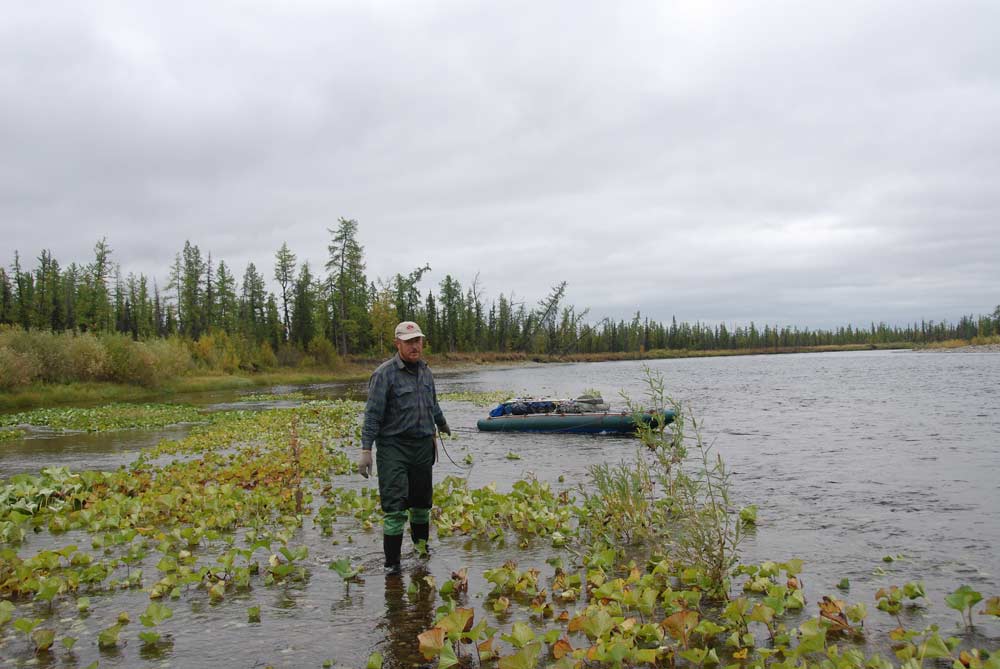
444	429
365	463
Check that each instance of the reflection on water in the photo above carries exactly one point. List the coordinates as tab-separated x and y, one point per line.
80	450
409	611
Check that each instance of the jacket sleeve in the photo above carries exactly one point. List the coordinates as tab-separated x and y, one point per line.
436	412
378	389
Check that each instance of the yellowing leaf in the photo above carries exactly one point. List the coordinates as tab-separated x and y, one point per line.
680	624
431	642
561	648
459	620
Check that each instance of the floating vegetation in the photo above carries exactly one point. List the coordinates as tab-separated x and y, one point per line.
480	399
108	417
273	397
637	568
531	508
8	435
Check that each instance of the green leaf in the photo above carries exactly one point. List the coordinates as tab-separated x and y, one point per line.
963	598
597	624
253	614
155	614
748	514
992	607
68	642
762	613
934	647
25	625
456	621
43	638
694	655
6	612
793	567
914	589
374	661
526	658
708	629
520	635
149	637
857	612
447	657
344	569
844	584
108	638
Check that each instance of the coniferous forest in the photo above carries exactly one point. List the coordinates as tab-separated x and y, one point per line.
209	313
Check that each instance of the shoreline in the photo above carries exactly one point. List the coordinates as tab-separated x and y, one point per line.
357	369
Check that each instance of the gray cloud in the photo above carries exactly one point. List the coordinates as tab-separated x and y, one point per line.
786	162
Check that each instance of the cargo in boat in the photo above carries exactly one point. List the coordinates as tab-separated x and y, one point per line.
587	414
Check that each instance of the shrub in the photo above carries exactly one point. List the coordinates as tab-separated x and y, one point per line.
289	356
264	358
203	351
46	348
130	361
16	368
172	357
323	351
216	351
88	359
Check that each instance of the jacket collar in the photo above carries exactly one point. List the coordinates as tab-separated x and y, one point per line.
399	364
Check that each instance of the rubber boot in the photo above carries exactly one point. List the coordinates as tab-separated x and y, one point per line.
420	532
392	545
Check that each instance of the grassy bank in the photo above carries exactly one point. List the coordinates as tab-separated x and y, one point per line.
962	343
356	369
90	393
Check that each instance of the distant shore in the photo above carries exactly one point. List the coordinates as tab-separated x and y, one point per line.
969	348
354	370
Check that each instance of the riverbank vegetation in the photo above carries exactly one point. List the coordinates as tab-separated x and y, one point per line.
106	326
638	566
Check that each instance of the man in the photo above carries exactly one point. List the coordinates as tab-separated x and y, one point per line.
400	416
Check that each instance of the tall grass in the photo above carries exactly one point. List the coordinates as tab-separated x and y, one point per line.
31	356
690	515
41	357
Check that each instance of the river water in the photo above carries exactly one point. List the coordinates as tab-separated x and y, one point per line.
850	457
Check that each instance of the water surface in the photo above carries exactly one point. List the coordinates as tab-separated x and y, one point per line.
849	456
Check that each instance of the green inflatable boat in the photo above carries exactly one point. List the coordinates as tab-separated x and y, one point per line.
570	423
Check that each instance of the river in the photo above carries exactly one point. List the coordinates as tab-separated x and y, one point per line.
850	458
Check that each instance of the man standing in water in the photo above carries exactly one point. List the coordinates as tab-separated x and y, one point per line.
400	416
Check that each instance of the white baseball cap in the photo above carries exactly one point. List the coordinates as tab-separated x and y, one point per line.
408	330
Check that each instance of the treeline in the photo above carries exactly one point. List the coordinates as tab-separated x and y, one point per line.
316	314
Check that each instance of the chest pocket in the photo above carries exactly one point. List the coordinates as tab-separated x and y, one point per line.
406	395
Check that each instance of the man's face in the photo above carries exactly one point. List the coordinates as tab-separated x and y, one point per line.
410	350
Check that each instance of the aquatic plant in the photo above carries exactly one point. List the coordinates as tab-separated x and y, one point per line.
962	600
692	516
479	398
108	417
10	435
272	397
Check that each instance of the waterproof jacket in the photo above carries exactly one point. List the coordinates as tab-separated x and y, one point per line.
401	403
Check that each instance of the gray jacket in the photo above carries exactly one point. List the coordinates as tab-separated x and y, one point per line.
400	403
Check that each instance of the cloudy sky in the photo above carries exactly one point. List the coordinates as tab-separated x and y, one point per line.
788	162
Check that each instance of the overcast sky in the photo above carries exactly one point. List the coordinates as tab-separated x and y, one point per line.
788	162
